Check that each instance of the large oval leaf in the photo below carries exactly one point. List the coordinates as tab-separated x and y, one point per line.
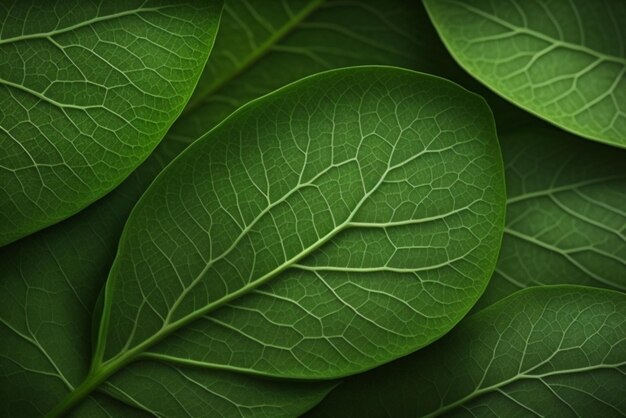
564	61
346	220
565	221
87	90
554	351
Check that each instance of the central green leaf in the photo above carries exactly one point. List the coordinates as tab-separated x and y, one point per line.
343	221
353	210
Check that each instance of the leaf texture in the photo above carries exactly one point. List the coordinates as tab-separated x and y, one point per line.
564	61
566	222
241	254
301	38
87	90
545	351
50	283
331	193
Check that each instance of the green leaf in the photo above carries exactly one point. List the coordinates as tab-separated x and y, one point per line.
547	351
87	91
564	61
566	220
301	38
343	221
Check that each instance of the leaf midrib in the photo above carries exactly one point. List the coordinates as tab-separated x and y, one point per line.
171	327
102	370
257	54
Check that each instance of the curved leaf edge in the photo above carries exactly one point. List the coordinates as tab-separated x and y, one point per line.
489	311
566	128
103	192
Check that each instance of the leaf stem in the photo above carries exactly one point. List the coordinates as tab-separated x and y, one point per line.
95	377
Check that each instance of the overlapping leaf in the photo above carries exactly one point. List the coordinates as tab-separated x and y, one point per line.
566	219
546	351
178	374
49	285
564	61
239	251
87	90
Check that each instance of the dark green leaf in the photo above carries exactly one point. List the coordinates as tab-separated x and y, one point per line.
368	198
300	38
556	351
566	214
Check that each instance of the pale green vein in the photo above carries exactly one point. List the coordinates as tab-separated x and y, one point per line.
539	35
564	188
85	23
